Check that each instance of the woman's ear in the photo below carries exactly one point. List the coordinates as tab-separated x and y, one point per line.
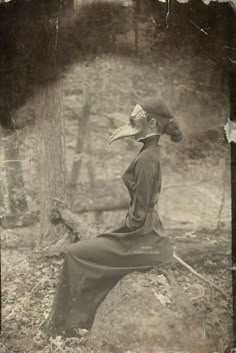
153	123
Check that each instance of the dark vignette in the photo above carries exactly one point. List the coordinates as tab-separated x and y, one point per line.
18	64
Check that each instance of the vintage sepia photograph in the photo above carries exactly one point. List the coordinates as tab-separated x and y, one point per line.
117	156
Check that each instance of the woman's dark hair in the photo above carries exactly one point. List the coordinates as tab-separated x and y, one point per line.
156	108
172	129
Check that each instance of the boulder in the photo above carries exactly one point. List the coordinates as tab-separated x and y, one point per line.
147	313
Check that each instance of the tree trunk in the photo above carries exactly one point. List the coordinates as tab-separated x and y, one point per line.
50	125
69	5
3	190
52	166
136	12
15	182
81	139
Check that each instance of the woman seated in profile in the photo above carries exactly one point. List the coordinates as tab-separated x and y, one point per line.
92	267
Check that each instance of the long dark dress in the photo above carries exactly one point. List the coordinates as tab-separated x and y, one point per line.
92	267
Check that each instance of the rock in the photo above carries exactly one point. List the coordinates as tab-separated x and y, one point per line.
147	313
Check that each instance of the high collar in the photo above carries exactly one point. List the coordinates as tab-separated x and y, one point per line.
148	141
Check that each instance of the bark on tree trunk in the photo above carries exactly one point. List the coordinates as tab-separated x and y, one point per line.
50	125
69	5
136	12
15	182
3	190
51	154
232	86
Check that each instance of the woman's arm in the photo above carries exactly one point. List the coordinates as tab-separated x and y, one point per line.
142	190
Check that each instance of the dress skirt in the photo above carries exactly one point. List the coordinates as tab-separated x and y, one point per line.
92	267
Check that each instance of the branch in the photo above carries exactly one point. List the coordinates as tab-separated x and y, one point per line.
60	213
81	138
125	205
231	60
106	208
200	276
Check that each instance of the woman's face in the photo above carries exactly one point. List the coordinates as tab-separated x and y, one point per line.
140	122
138	126
143	125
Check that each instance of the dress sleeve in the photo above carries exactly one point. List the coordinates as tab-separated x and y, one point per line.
142	190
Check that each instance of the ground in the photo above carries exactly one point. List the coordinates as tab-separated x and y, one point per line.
29	282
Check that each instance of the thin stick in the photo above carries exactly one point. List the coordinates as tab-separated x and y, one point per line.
183	263
222	203
81	138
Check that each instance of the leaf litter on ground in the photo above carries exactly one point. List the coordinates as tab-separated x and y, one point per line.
28	292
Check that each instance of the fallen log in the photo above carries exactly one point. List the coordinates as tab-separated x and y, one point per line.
104	208
61	214
122	206
193	250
